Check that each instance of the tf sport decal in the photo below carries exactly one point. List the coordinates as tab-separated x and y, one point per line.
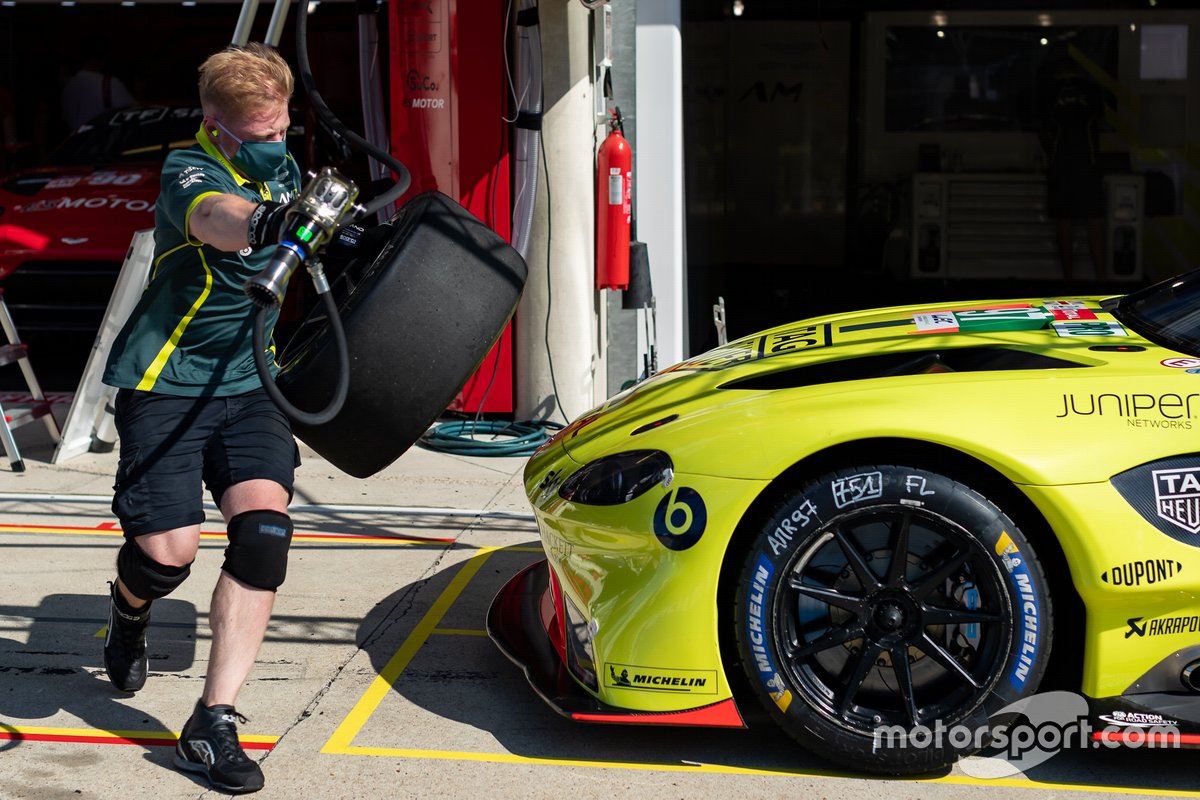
764	664
1029	621
756	348
680	518
1167	495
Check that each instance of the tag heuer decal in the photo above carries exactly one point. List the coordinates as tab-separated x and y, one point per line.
1167	495
1177	497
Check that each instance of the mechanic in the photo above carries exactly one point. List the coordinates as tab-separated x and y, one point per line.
93	89
190	408
1071	110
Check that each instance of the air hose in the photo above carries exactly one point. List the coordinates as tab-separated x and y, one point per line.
292	256
520	438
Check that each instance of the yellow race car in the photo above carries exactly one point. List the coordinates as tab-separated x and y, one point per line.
897	520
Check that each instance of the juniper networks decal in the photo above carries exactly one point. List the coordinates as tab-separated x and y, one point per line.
1167	495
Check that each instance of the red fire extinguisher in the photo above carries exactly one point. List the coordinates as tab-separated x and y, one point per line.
614	207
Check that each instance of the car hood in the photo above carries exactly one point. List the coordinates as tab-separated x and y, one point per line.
906	342
74	212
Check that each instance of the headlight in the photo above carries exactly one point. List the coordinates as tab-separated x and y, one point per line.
617	479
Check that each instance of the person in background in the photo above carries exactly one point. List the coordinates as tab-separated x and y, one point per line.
91	91
191	411
1071	109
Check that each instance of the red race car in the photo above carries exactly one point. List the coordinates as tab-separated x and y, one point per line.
65	227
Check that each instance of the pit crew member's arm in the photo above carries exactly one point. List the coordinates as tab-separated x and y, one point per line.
222	220
228	222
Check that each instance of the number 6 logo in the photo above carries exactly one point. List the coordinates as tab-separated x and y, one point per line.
680	518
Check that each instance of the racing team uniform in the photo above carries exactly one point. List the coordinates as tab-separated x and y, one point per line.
190	402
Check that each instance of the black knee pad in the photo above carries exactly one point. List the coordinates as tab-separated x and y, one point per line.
146	578
258	548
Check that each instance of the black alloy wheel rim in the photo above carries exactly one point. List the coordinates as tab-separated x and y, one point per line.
893	616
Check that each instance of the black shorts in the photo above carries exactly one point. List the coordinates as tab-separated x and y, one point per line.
172	447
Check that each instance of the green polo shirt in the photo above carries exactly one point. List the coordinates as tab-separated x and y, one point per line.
191	333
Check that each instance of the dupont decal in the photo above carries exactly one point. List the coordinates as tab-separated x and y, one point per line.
1162	411
1030	609
756	348
1142	573
680	518
651	679
1167	495
855	488
764	664
1163	626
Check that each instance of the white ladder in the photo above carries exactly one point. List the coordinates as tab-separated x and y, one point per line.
26	412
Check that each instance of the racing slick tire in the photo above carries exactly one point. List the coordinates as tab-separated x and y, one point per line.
884	612
418	320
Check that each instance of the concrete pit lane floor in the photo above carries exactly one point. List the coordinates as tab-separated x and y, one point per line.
376	679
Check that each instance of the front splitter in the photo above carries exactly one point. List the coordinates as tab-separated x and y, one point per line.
514	624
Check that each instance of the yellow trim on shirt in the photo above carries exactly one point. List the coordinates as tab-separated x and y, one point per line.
158	261
187	218
156	366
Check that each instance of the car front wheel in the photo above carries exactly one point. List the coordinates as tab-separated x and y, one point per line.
883	612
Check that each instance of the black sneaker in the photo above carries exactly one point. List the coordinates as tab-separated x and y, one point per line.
209	745
125	644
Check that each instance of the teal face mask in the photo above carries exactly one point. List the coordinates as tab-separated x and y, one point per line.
258	160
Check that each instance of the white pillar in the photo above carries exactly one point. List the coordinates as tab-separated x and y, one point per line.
659	182
556	322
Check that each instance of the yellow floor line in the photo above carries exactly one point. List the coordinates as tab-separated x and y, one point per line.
341	740
459	632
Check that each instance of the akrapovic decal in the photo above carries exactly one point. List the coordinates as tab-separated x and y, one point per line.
1030	609
764	665
1166	494
680	518
652	679
1163	626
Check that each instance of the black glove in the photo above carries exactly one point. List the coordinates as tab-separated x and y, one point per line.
266	224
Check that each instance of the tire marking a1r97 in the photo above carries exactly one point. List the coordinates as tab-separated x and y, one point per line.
1030	610
764	665
799	518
